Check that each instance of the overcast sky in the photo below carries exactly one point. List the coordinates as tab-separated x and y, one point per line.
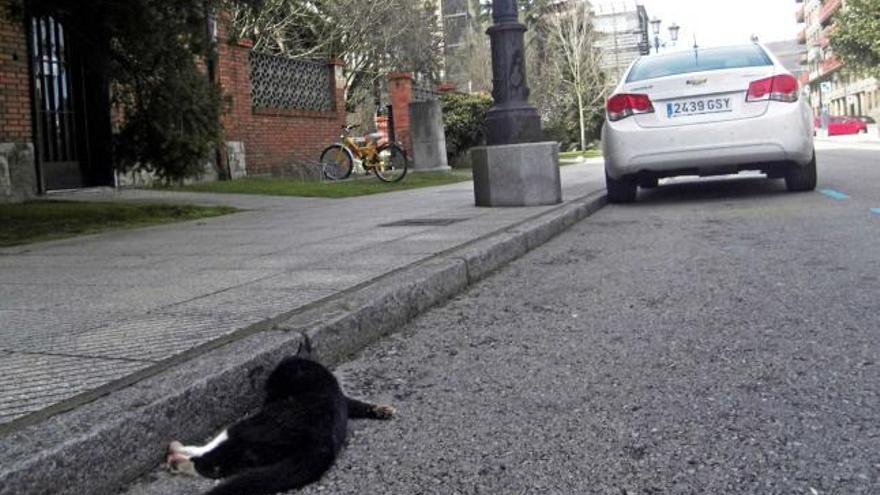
724	22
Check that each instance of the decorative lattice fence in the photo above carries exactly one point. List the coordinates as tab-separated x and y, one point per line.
280	83
422	91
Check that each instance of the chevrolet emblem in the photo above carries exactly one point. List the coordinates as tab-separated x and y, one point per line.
697	82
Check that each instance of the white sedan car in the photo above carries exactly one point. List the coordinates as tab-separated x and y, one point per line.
707	111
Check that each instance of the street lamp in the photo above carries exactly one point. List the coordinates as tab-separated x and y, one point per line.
516	167
655	27
512	119
673	32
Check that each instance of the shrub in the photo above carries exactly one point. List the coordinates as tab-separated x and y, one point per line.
464	121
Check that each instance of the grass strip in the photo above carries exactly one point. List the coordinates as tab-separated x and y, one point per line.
576	155
37	221
361	186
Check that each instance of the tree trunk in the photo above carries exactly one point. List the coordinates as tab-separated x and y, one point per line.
581	121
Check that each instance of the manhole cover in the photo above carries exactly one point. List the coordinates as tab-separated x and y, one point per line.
424	222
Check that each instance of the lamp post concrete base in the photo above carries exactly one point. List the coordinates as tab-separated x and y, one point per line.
525	174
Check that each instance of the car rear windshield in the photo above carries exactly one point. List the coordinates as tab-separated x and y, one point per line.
731	57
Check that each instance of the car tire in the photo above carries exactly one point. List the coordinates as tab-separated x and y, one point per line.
620	191
802	178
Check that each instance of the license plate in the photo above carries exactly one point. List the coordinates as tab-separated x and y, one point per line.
689	108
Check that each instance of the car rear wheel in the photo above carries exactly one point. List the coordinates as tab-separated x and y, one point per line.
802	178
620	191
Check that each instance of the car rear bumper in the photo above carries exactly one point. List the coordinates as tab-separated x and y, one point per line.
783	134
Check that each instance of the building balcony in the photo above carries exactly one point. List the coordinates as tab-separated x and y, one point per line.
828	10
825	36
802	37
799	14
830	65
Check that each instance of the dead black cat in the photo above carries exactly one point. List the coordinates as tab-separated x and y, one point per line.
290	442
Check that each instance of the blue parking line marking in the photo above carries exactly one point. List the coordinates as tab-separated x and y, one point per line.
831	193
876	210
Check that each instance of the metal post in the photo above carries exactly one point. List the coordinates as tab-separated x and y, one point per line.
512	119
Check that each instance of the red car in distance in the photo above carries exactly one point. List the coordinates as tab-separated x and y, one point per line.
842	125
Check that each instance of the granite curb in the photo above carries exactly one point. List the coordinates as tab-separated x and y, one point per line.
100	446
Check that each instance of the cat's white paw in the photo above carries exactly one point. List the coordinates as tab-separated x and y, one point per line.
177	462
385	412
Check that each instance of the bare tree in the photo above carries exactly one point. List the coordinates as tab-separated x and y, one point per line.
478	63
372	37
577	60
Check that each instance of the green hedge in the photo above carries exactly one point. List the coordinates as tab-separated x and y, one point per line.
464	121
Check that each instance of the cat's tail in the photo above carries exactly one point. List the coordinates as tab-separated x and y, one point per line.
268	480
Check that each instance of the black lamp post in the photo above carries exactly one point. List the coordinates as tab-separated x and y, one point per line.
515	168
655	27
512	119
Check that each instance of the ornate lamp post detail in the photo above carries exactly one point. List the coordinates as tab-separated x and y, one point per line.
512	119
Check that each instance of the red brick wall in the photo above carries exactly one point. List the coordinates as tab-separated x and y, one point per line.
275	141
400	87
15	98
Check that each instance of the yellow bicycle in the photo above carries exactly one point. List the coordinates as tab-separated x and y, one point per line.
387	160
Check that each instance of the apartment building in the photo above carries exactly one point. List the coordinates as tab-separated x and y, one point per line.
830	85
624	34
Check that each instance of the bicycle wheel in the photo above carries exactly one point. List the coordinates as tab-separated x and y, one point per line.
336	162
392	163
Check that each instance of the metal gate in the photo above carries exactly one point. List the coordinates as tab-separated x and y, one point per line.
59	106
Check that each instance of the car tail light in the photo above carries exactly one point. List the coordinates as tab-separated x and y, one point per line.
777	88
621	106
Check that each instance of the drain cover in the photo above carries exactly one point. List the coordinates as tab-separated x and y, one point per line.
424	222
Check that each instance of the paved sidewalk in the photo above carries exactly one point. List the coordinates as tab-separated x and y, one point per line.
80	317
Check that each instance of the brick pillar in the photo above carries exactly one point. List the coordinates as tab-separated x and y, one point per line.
338	71
18	174
233	74
400	86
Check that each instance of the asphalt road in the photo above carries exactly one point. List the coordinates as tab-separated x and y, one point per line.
715	337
